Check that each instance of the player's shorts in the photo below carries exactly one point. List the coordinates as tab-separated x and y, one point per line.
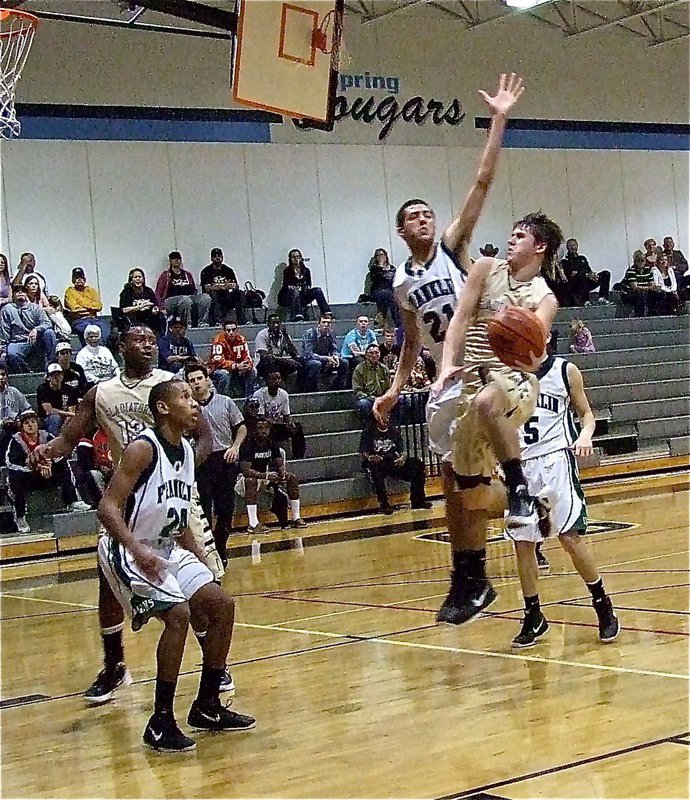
441	415
472	454
554	477
203	536
139	596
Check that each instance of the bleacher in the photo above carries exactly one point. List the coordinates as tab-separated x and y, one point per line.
637	382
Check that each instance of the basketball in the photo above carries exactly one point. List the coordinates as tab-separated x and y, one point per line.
518	338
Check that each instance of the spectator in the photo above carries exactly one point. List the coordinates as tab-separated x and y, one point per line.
95	359
263	470
274	404
321	357
581	279
34	293
297	293
27	266
5	281
555	279
176	292
650	252
83	304
680	266
382	275
357	341
230	363
72	373
12	403
96	467
25	329
25	478
580	337
275	350
56	401
219	281
390	351
489	250
56	315
637	283
383	455
138	303
217	454
174	349
370	380
665	298
419	379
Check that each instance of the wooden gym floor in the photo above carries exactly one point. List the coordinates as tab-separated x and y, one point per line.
358	693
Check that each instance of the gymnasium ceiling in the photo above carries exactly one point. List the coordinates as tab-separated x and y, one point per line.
652	22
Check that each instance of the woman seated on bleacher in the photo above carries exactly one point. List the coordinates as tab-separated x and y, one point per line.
25	478
665	299
297	293
138	303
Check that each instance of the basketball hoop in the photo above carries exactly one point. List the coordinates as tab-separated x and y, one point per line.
328	38
17	30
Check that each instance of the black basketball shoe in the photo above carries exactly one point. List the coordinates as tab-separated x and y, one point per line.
609	627
534	626
465	600
216	717
542	560
106	683
163	735
522	510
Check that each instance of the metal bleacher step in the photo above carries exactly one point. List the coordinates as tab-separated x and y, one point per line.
623	392
649	409
650	373
640	355
602	327
664	427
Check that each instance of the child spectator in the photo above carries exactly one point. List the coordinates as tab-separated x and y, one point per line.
580	337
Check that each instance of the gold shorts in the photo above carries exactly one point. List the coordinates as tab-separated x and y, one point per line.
472	451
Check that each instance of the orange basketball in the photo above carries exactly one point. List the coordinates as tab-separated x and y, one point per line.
518	338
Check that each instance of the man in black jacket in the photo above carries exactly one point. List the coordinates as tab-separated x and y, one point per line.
581	279
219	281
382	451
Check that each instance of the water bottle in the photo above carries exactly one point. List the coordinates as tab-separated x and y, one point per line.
256	552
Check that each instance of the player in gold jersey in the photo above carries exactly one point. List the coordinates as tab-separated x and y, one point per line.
120	406
493	402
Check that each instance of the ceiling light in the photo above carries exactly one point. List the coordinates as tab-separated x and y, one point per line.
523	4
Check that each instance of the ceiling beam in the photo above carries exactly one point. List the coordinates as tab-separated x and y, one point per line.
611	22
672	39
194	12
396	10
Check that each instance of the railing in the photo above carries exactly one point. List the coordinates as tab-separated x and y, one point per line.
414	431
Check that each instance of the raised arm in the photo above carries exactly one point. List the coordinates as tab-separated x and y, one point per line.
456	335
583	444
459	233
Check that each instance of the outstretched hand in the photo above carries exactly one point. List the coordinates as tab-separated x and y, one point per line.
510	90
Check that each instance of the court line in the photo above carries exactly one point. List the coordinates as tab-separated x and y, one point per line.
46	614
633	608
474	652
560	768
45	600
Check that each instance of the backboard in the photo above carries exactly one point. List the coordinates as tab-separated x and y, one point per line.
280	63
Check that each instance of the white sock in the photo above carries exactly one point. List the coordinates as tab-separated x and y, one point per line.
253	515
294	509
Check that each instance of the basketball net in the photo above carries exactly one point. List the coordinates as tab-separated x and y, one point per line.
17	30
328	38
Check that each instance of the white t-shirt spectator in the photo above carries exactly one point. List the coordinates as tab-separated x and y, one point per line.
272	407
98	363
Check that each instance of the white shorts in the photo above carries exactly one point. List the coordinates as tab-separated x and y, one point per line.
472	454
139	596
441	414
203	536
554	477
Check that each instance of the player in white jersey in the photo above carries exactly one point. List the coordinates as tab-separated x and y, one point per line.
493	402
549	443
120	407
429	283
155	566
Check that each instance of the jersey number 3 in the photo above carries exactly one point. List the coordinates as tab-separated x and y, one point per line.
435	321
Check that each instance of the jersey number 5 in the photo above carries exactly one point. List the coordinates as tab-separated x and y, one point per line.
435	321
531	430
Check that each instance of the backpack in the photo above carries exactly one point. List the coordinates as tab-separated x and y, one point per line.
254	298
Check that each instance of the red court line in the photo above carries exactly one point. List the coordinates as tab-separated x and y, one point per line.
508	616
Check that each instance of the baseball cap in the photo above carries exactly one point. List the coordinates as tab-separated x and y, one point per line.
78	272
63	346
53	368
176	321
28	413
216	251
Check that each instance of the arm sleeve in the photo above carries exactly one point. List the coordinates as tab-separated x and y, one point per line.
126	297
16	457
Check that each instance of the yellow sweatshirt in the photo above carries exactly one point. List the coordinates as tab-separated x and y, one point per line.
83	304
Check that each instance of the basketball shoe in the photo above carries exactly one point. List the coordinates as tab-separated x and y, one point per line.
216	717
534	626
609	627
542	560
227	684
465	600
162	734
105	685
522	510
